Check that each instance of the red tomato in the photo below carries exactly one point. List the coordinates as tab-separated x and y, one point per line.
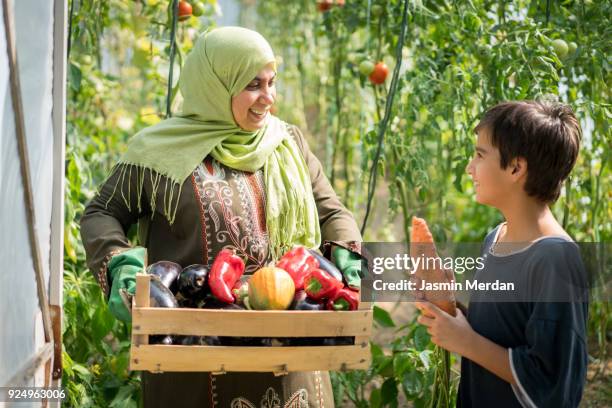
324	5
379	75
340	3
184	10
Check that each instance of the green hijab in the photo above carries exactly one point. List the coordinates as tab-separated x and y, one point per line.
221	64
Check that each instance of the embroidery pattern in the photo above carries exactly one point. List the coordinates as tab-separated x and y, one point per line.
318	381
271	399
102	273
231	209
204	231
213	390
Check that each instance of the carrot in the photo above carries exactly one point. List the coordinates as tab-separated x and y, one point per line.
422	245
420	231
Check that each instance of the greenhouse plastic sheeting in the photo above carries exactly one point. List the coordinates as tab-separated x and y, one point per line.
20	319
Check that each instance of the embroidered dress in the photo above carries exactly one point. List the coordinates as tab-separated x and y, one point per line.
219	207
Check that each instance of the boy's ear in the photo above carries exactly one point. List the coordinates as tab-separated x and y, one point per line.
518	167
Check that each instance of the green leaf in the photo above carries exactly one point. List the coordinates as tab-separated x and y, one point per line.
376	351
83	372
459	171
376	398
425	358
389	392
412	383
421	338
401	363
75	77
399	344
385	367
102	323
123	398
382	317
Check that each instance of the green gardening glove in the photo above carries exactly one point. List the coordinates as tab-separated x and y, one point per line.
123	269
350	265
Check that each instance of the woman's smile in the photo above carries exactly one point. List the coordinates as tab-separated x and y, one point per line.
251	106
259	113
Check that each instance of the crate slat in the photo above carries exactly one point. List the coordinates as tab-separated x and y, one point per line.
252	323
141	299
259	359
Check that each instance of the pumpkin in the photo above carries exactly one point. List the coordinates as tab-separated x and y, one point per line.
271	288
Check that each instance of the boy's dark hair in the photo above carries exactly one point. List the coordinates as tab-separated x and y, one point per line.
547	135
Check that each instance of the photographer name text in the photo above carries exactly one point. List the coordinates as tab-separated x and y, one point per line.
408	285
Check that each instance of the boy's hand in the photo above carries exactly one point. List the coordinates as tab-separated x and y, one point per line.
451	333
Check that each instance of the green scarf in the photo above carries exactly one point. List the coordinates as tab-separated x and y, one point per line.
221	64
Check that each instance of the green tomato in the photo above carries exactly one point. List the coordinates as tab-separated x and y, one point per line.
352	57
561	48
366	67
198	8
86	60
572	47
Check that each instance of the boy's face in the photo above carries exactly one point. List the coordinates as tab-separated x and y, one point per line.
492	184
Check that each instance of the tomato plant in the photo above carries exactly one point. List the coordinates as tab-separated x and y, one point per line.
324	5
561	48
379	74
185	10
366	67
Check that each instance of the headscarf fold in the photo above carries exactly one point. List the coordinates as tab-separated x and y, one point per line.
221	64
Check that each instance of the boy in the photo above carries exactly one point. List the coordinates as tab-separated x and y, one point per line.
530	353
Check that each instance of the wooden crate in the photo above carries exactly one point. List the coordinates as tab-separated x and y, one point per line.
248	323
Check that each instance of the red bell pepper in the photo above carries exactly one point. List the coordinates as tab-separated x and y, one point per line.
344	299
298	262
226	270
319	285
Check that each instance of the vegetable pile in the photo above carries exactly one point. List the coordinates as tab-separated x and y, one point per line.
301	279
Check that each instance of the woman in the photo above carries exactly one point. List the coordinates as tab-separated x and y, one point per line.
222	173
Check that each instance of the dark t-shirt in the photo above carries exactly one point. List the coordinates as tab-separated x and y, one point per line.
544	332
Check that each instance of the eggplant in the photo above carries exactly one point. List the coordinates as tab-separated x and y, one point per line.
306	341
301	301
309	304
211	341
327	266
167	272
239	341
339	341
160	295
190	340
322	341
199	341
192	282
299	296
161	339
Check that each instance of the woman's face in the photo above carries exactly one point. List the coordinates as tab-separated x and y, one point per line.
251	107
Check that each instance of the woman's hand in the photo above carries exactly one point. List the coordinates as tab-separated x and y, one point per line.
451	333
